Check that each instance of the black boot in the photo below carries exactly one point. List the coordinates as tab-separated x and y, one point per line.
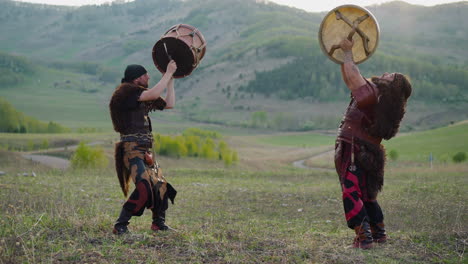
378	232
120	226
159	221
363	237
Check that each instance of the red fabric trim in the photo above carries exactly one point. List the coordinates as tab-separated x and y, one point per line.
142	196
358	204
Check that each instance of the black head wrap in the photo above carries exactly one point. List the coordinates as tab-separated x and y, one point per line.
132	72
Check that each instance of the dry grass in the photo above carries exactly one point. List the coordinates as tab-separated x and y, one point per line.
260	211
231	216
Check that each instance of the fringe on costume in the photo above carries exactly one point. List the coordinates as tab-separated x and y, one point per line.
122	172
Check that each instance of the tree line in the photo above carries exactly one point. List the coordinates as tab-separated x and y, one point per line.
14	69
314	76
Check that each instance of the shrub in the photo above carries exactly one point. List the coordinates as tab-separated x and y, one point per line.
195	142
200	133
234	157
45	144
208	150
192	143
459	157
393	154
86	157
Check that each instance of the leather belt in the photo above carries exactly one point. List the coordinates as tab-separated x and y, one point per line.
349	130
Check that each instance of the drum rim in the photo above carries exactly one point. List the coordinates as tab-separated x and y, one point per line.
322	47
189	27
197	56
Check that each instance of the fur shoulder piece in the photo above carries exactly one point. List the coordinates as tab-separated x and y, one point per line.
158	104
118	104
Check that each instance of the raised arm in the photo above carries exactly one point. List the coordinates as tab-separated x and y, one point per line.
156	91
170	95
349	70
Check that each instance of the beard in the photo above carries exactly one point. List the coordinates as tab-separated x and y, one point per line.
142	83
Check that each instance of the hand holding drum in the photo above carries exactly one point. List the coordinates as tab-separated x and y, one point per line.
171	67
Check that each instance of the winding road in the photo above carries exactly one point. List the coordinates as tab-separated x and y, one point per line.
302	163
63	164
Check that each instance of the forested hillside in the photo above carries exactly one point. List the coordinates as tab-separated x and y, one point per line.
14	69
262	59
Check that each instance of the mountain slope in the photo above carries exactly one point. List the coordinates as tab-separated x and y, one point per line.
261	57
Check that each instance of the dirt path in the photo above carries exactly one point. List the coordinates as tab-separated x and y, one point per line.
51	161
255	155
305	163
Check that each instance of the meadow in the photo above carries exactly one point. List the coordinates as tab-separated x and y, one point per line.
443	143
260	210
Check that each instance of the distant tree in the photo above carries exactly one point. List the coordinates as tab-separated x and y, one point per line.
259	119
459	157
14	69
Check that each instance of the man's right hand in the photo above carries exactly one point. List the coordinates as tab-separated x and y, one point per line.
346	44
171	67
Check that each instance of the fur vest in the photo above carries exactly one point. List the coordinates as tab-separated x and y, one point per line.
130	115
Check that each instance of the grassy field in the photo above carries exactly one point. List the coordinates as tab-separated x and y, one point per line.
71	99
299	140
443	143
239	214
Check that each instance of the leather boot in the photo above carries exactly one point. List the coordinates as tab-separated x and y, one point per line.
122	222
378	233
159	221
363	237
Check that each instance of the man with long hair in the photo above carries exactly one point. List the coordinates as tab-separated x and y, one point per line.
129	107
374	113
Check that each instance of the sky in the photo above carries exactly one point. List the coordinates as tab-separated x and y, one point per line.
308	5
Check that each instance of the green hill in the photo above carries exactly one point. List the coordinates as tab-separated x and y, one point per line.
443	143
12	121
260	57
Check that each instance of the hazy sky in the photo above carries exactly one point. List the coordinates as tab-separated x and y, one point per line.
309	5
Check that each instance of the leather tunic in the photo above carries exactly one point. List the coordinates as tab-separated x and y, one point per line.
359	115
130	116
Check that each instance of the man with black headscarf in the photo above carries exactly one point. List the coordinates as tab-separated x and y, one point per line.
374	113
129	107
